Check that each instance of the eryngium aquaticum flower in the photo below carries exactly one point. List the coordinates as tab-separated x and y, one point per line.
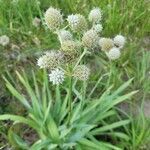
77	23
114	53
81	72
95	15
53	18
69	47
56	76
97	27
119	41
4	40
90	39
106	44
70	50
50	60
64	35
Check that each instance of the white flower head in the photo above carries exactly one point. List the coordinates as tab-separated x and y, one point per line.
119	41
50	60
97	27
114	53
36	22
77	22
64	35
53	18
95	15
73	20
56	76
4	40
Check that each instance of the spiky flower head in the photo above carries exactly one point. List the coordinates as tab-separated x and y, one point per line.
77	22
4	40
50	60
53	18
106	44
56	76
69	46
97	27
119	41
81	72
64	35
114	53
70	50
90	39
95	15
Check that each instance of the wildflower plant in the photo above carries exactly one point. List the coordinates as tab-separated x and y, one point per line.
69	118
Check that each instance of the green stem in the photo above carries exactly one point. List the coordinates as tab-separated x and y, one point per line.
70	99
84	85
80	58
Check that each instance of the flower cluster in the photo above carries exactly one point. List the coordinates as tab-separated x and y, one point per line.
72	49
112	47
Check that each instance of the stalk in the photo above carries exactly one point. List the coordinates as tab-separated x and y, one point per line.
70	99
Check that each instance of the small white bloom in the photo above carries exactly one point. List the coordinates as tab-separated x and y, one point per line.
95	15
64	35
56	76
98	28
36	22
77	22
73	20
119	41
113	54
4	40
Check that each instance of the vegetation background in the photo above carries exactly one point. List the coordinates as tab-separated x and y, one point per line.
127	17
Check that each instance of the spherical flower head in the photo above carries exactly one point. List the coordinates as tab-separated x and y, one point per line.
114	53
53	18
64	35
119	41
81	72
77	23
56	76
69	46
95	15
90	39
50	60
106	44
4	40
97	27
36	22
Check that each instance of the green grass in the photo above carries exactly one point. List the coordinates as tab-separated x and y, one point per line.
128	17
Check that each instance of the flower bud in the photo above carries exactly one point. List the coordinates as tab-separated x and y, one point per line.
95	15
90	39
81	72
77	22
119	41
53	18
106	44
113	54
